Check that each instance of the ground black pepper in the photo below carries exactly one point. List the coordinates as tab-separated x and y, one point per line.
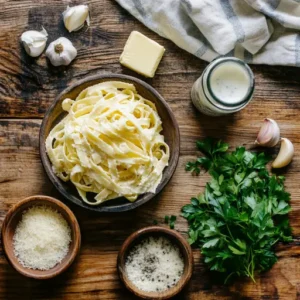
154	264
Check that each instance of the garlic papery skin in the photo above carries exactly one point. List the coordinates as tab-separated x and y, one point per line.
34	41
285	154
61	52
75	17
269	134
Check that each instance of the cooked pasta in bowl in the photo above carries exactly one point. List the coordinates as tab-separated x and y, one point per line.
114	139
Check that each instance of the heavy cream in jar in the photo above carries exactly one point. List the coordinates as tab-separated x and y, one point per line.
226	86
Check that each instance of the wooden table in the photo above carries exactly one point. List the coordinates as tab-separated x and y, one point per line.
28	86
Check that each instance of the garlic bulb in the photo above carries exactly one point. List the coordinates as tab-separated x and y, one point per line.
75	17
61	52
34	41
269	134
285	154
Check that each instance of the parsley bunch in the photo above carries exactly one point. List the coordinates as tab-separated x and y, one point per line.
242	213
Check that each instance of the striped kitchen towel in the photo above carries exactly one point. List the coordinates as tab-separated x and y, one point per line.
257	31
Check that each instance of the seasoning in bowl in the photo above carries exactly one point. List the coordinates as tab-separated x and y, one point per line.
154	264
42	238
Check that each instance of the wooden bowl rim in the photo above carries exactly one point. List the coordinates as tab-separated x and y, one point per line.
183	245
102	208
71	219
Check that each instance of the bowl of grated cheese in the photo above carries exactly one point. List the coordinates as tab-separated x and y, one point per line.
155	263
40	237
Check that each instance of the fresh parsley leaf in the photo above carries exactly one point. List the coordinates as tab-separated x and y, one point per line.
211	243
205	146
242	213
219	147
172	221
236	251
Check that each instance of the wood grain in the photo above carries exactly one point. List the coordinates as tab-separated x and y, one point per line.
28	87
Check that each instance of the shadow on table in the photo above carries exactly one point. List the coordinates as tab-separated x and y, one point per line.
16	286
216	127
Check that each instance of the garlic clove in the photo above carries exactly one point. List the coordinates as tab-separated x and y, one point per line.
34	41
269	134
61	52
75	17
285	154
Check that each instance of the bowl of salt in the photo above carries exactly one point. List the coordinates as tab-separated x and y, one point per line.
155	263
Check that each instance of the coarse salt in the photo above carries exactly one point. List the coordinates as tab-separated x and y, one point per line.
155	264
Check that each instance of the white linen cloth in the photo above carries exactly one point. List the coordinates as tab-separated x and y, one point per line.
257	31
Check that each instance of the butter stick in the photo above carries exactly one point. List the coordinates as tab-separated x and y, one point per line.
141	54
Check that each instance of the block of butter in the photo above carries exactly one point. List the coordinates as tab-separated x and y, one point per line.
141	54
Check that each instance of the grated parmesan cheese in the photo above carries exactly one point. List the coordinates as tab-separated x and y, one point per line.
42	238
154	265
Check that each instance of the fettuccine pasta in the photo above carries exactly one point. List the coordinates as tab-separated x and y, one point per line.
110	143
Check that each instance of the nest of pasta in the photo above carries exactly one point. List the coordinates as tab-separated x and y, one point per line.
110	143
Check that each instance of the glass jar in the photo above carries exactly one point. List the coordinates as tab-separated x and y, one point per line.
225	86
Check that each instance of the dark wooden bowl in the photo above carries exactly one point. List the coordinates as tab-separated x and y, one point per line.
177	239
11	221
170	132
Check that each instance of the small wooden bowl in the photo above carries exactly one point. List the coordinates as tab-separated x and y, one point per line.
170	132
11	221
177	239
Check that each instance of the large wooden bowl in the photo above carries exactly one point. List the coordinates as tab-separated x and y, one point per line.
11	221
170	132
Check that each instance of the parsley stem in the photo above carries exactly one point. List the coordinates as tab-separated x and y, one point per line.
250	267
224	237
252	261
229	232
240	225
227	278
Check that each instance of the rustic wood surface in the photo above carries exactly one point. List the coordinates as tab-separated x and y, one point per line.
27	88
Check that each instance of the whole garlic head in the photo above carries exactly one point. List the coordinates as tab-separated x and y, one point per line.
61	52
75	17
269	134
34	41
